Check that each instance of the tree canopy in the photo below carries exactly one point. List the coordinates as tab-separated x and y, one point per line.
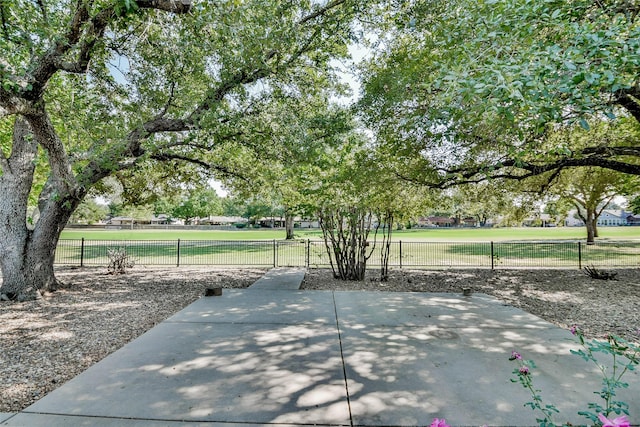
96	88
463	90
153	93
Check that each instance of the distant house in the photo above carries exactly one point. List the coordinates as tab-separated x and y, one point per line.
633	219
441	221
121	220
469	221
223	220
611	217
540	220
271	222
306	223
161	219
608	217
423	221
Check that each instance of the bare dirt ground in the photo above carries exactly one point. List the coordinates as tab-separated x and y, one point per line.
45	343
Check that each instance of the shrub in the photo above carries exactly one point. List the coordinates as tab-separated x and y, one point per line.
119	261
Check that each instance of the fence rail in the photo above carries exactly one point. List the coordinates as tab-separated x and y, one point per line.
309	253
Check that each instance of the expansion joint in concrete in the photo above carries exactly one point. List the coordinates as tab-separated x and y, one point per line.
344	369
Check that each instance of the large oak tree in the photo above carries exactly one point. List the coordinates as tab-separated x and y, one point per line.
95	88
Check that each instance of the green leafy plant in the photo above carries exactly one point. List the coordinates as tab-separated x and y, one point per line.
625	356
524	377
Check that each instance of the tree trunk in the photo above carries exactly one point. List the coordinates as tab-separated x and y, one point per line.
589	216
27	256
589	222
595	227
345	235
387	227
288	224
27	268
27	250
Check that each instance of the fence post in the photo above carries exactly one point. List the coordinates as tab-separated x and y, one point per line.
178	255
492	267
400	243
82	253
308	253
275	253
580	255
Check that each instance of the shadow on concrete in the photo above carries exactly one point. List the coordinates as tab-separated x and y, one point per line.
330	358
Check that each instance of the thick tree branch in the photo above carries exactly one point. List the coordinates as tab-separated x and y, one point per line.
216	95
580	211
3	21
83	34
49	63
171	6
606	151
519	170
626	7
43	10
321	11
46	136
630	100
159	124
23	151
163	157
11	104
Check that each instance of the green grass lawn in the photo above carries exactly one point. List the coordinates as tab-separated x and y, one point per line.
517	234
431	234
439	248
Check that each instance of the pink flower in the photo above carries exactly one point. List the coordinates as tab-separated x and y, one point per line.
574	329
437	422
616	422
524	370
515	356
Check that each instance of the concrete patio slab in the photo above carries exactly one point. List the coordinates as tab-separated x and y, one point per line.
214	372
259	357
261	306
419	309
410	358
6	415
410	375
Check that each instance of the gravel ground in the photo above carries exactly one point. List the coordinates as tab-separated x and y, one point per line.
45	343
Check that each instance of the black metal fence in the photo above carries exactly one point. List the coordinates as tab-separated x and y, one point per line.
309	253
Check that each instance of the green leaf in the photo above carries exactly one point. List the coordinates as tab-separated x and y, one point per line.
584	124
578	78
